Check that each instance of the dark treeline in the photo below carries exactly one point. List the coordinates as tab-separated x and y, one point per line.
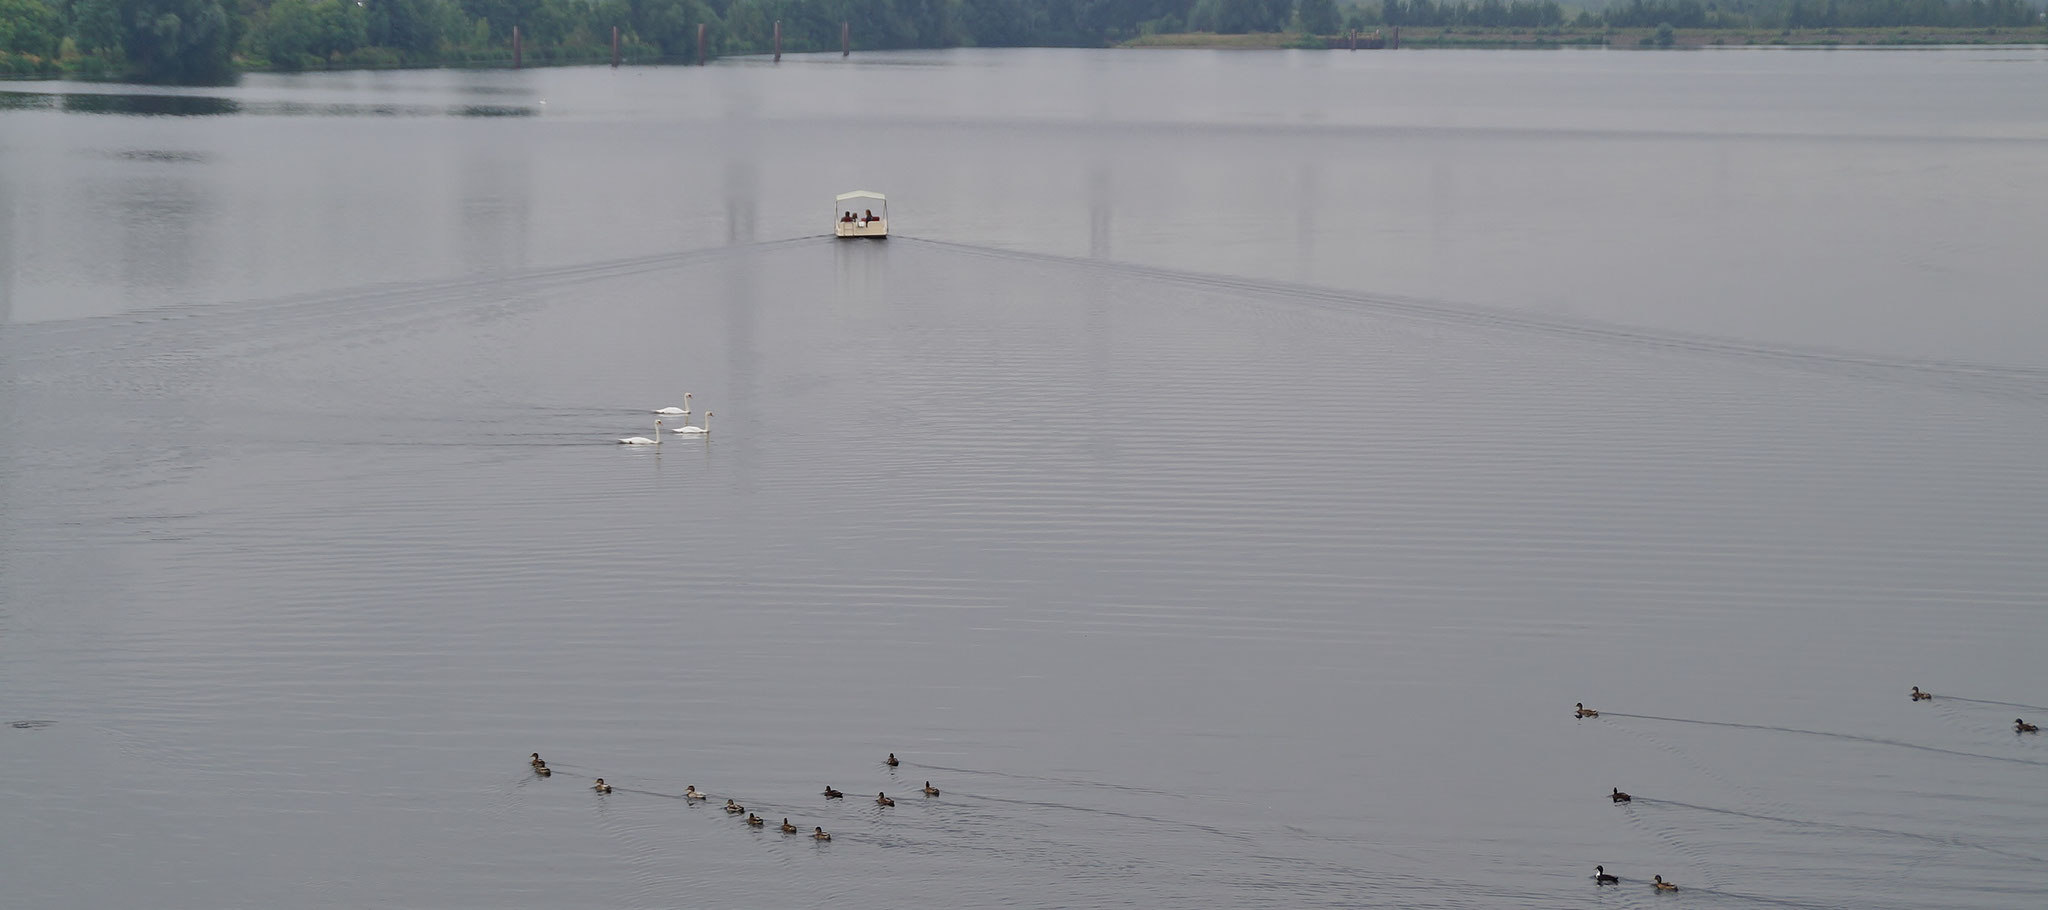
208	40
1822	13
1485	13
1734	14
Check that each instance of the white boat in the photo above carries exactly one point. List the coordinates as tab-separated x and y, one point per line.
854	215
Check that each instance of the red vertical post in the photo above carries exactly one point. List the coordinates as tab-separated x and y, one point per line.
845	38
701	27
615	47
517	60
778	41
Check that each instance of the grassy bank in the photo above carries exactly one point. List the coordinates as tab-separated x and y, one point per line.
1438	36
1208	39
96	68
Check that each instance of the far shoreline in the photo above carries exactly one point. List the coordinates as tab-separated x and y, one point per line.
1478	38
1383	37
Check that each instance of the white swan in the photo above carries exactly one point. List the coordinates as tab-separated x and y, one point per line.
704	430
644	441
684	410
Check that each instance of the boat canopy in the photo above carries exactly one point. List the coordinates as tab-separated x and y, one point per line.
855	216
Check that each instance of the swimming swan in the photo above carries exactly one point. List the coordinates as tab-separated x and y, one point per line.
704	430
674	411
642	440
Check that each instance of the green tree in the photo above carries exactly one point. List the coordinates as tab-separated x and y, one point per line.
415	27
672	24
96	24
503	15
1319	17
296	30
30	27
1236	17
177	41
1003	23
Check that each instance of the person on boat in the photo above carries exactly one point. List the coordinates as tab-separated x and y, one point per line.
869	217
848	219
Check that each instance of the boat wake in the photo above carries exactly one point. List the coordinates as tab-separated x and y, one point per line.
1980	378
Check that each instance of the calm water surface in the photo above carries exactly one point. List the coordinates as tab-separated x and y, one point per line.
1221	488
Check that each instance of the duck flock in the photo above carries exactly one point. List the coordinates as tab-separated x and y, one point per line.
1601	877
732	807
1600	874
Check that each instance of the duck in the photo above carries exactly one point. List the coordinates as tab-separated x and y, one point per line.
930	790
788	828
833	794
536	762
755	820
1585	711
1661	884
1600	877
2021	726
601	786
891	760
882	799
1921	696
1619	796
642	440
674	411
691	792
704	430
733	808
819	834
543	771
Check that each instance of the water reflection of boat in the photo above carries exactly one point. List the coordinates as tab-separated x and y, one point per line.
854	214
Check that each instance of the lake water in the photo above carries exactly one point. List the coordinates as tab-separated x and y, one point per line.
1222	487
